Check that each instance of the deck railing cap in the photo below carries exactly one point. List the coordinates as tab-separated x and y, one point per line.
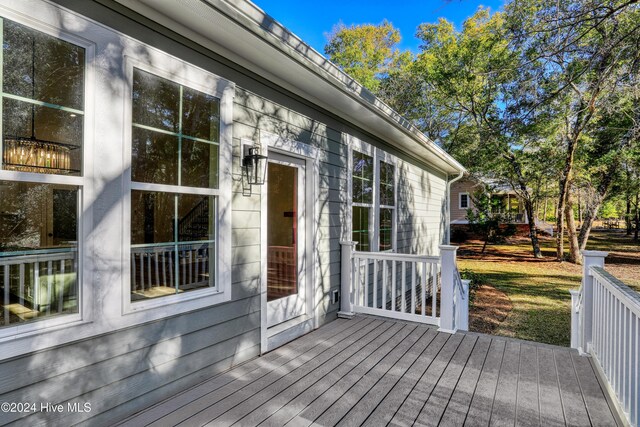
602	254
448	248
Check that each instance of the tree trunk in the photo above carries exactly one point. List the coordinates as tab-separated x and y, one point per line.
574	247
585	230
533	231
635	235
627	217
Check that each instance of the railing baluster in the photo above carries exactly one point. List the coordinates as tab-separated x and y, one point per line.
164	267
157	263
356	297
383	304
142	285
50	285
21	283
190	267
434	289
375	284
7	295
404	287
61	287
414	265
36	286
365	292
393	285
424	282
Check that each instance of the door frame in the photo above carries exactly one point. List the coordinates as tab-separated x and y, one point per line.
293	328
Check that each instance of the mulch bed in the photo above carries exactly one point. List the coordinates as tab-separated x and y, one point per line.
490	308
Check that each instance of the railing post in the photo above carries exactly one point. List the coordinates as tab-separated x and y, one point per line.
447	283
589	259
346	311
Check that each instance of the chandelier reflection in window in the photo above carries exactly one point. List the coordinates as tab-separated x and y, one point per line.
35	155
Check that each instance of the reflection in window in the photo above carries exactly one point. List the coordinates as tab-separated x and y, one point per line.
42	102
362	178
361	228
387	206
175	133
172	243
38	251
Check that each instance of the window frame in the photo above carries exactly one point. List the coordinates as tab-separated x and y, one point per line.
378	156
463	193
190	76
82	182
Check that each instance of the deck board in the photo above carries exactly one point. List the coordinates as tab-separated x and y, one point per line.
460	402
479	414
374	372
504	403
549	388
527	407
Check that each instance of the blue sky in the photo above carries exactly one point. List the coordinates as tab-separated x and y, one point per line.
312	19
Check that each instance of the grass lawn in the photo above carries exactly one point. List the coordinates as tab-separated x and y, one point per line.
530	299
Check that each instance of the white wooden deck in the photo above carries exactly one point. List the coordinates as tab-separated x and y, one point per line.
371	371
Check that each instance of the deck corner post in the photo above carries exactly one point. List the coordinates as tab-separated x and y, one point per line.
346	310
447	271
590	259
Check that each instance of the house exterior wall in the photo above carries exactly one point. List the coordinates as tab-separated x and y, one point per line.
122	363
462	186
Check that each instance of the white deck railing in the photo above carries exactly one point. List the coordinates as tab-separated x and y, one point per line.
418	288
154	266
37	282
606	324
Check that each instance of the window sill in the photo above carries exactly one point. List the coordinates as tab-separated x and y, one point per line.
176	304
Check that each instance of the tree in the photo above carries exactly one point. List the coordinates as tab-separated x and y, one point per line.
366	52
485	221
579	46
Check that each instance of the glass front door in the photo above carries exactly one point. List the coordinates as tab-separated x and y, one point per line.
285	238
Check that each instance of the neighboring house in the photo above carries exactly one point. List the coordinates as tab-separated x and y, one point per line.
506	201
135	259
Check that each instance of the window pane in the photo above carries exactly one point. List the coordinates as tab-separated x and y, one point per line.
387	184
199	164
361	228
362	178
156	101
160	264
152	217
200	115
41	67
41	139
38	256
154	157
195	218
386	229
464	201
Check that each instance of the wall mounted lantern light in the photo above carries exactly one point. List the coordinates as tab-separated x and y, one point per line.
255	167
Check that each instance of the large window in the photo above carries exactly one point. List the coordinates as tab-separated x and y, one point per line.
174	197
42	133
373	200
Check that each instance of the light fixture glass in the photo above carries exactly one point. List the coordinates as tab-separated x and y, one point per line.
34	155
255	167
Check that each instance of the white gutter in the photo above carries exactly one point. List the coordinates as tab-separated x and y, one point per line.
448	198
